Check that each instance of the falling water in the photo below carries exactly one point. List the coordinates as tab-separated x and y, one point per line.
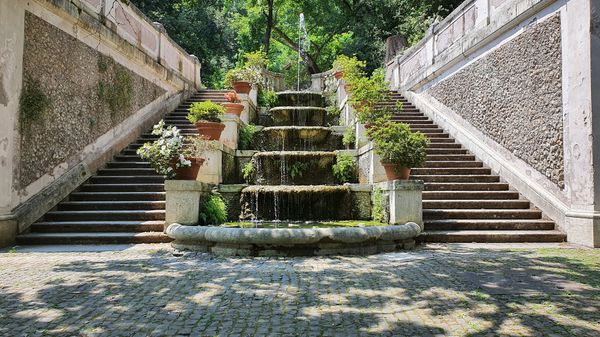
303	44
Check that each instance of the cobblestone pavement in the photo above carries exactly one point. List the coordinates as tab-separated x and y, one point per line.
442	292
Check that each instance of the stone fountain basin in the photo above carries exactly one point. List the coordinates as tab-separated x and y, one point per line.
298	115
316	134
300	98
292	138
293	241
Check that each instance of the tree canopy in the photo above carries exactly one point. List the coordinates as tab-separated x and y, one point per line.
220	31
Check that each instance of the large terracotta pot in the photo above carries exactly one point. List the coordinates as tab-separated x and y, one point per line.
187	173
393	172
338	74
234	108
210	130
241	87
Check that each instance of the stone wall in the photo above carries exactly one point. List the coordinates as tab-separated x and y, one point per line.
92	95
514	96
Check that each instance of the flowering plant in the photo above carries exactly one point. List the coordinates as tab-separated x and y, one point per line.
168	147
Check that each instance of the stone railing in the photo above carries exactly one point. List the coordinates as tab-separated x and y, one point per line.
150	37
274	81
450	40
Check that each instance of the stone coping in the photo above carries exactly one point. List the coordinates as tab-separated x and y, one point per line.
287	237
187	185
401	185
235	188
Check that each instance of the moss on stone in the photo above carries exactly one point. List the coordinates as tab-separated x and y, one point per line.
33	102
116	89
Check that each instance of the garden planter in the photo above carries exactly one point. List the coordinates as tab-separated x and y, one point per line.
393	172
347	88
234	108
210	130
241	87
338	75
187	173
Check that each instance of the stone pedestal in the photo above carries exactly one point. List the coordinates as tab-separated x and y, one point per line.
183	201
229	137
405	201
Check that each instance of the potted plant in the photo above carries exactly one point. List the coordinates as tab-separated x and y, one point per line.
399	148
207	118
366	93
172	155
237	79
242	78
233	106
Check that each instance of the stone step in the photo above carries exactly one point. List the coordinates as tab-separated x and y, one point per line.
466	186
441	140
127	179
128	158
117	196
451	170
105	215
427	131
518	224
472	163
475	204
127	171
470	195
436	135
430	150
415	119
91	238
492	236
449	157
123	187
456	178
110	205
431	214
98	226
414	126
128	164
444	146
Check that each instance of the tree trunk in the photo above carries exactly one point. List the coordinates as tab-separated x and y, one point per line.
267	43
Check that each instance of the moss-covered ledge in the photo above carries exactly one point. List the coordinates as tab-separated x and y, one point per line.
294	241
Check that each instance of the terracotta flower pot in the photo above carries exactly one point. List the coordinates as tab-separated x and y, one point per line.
210	130
393	172
187	173
338	74
241	87
234	108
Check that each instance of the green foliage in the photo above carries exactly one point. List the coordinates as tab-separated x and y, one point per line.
33	102
251	70
267	98
399	105
378	210
349	137
248	172
213	210
366	92
297	169
396	144
344	169
351	67
205	111
246	136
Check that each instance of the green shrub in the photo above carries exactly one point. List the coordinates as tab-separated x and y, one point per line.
297	169
248	172
205	111
366	92
344	169
349	136
267	98
396	144
246	136
251	70
378	210
167	147
213	210
349	66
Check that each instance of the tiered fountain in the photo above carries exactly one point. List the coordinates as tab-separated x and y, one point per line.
294	202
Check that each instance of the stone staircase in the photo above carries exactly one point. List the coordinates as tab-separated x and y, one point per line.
463	200
123	203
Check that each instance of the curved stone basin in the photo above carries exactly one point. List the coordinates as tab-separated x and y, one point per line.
294	167
300	98
298	116
294	241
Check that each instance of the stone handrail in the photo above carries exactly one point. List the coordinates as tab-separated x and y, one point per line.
274	81
150	37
